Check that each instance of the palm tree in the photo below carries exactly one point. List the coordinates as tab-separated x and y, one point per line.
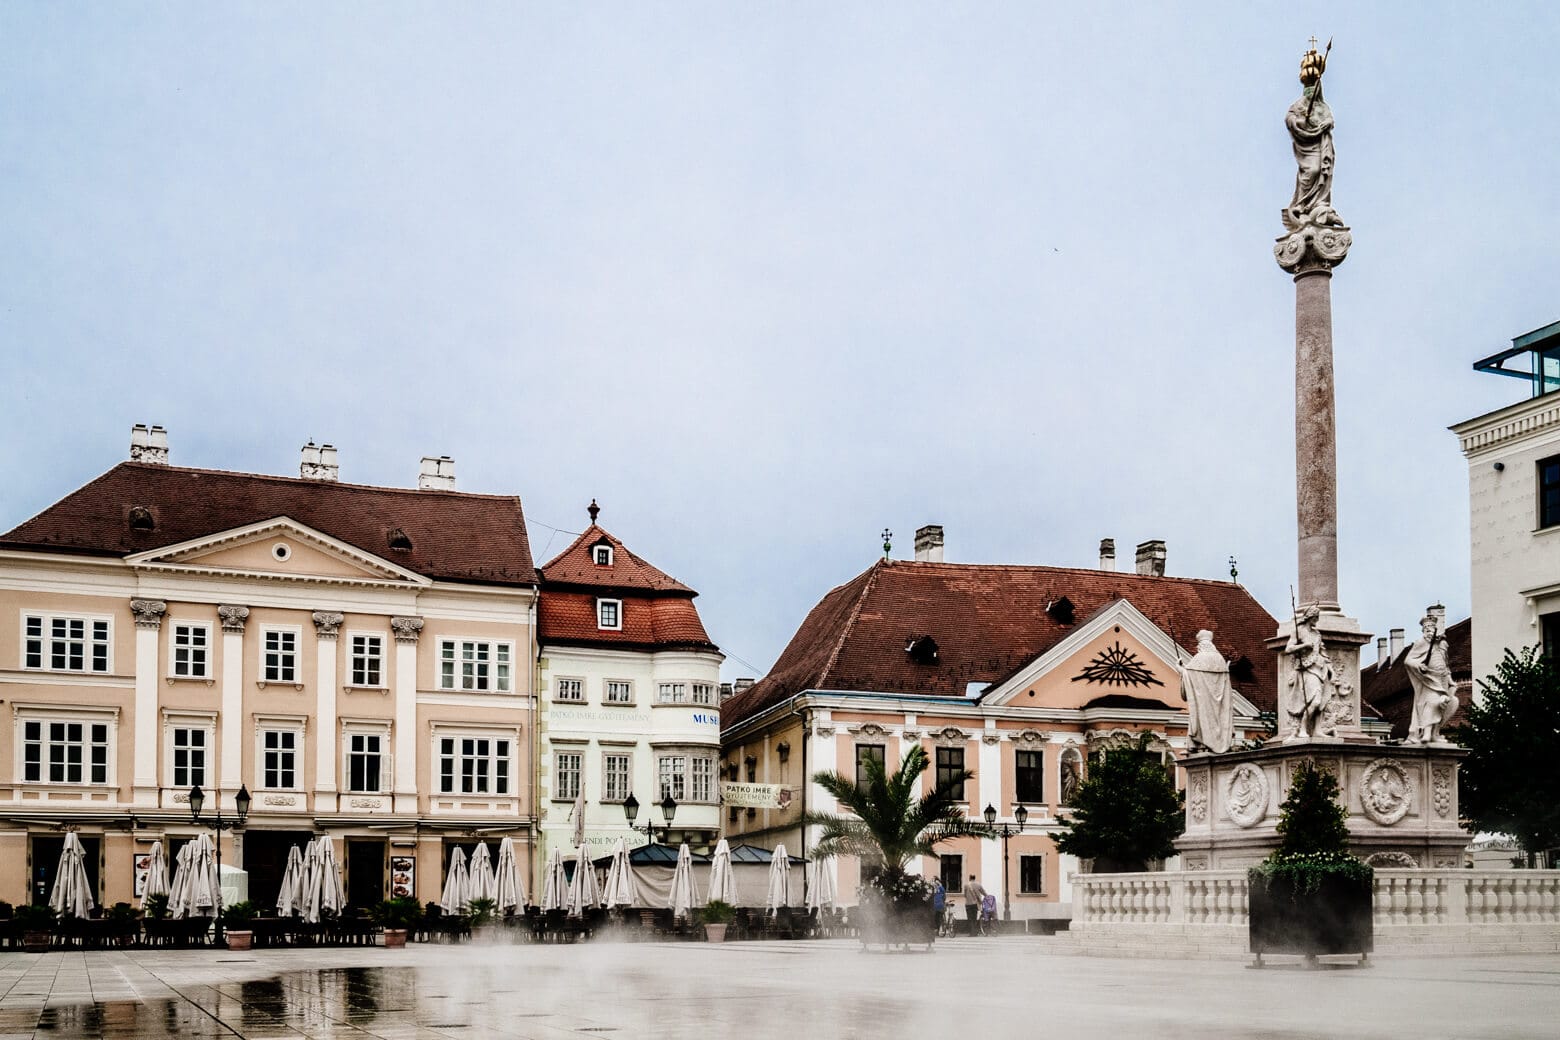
890	825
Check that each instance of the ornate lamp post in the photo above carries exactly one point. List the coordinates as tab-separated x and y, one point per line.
1021	815
218	825
668	809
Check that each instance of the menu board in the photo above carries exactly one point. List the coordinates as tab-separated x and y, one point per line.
403	876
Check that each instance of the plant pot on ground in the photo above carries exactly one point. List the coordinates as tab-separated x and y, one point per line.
236	920
396	917
37	922
125	922
717	915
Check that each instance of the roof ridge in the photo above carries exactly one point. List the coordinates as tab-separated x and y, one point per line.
952	565
850	622
348	485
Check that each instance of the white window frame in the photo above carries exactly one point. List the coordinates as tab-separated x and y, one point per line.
297	655
379	730
453	651
616	606
1031	891
701	771
596	552
205	649
194	720
579	684
702	693
296	725
672	693
608	794
353	656
47	716
493	758
673	781
46	638
562	792
606	691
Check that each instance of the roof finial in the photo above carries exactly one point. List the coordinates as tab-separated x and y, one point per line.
888	542
594	510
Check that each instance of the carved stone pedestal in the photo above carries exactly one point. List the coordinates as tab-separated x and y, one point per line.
1401	800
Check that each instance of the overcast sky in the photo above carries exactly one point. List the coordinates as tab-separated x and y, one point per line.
765	279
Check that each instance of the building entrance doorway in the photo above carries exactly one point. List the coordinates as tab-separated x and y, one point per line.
265	858
44	855
365	871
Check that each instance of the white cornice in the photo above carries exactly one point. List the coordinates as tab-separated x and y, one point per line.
1521	421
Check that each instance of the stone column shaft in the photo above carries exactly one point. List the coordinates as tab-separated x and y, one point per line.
1316	466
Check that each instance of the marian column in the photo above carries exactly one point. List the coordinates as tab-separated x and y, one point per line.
1319	663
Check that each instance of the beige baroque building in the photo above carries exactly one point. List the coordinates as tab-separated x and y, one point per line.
357	657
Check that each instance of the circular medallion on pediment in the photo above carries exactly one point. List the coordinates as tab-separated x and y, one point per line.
1246	794
1386	791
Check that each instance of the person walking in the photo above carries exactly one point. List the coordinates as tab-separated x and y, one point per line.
939	902
973	894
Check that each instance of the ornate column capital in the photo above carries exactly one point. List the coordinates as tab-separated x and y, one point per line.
233	617
327	624
1313	248
148	612
406	629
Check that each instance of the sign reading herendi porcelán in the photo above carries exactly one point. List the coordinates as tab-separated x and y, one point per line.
756	796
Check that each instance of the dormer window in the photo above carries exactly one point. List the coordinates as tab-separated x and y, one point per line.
602	554
609	614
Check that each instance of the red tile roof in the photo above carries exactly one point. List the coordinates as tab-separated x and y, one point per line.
576	565
454	535
568	618
1385	686
988	621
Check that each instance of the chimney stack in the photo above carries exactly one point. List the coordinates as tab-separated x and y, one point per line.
149	444
741	685
1381	651
318	463
929	544
1397	643
438	474
1438	612
1107	554
1151	558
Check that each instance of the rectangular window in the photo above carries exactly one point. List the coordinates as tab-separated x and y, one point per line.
189	757
365	762
672	693
571	689
474	765
566	775
951	869
867	753
1029	775
1549	628
603	555
65	644
703	785
703	693
950	769
58	752
281	656
367	662
1549	491
615	773
279	753
190	645
474	664
620	692
1031	874
674	777
609	613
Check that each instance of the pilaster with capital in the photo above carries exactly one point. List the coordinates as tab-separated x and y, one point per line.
230	725
148	656
327	627
406	631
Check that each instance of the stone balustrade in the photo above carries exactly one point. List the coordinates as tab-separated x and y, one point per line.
1403	898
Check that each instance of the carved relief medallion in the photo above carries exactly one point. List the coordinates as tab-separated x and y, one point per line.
1441	790
1246	795
1197	801
1392	859
1386	791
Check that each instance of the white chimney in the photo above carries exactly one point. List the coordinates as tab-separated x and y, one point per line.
1151	558
929	544
149	444
1381	652
318	463
437	474
1397	643
1107	554
1438	612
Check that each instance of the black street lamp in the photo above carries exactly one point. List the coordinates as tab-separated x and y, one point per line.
1021	815
668	809
218	825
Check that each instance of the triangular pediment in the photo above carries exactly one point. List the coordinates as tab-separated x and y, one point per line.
280	548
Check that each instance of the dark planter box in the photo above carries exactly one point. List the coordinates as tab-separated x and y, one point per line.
1334	919
901	925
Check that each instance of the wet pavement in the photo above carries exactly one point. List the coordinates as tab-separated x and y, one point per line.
968	988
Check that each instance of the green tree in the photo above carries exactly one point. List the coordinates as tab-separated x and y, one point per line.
1310	818
1126	813
1509	783
890	824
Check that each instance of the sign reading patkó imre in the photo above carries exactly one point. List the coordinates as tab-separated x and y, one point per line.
756	796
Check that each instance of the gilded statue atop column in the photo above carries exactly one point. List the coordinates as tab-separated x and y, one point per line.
1315	236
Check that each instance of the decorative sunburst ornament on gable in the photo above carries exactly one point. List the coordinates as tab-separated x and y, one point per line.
1117	666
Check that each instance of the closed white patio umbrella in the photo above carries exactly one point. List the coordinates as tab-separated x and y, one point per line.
555	887
481	883
680	899
723	883
322	888
457	892
179	890
198	897
779	881
821	892
583	893
289	897
72	895
510	891
156	874
620	889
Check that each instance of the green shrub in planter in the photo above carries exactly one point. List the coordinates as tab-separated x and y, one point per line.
36	917
156	907
125	919
480	911
237	917
718	911
402	913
